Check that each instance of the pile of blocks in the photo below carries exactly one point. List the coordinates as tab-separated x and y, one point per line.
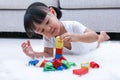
58	63
85	66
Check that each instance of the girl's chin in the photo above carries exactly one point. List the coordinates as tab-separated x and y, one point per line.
49	36
56	33
53	35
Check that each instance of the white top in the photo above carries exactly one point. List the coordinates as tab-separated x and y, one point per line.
77	47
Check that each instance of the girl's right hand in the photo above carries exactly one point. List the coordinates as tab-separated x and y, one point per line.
27	49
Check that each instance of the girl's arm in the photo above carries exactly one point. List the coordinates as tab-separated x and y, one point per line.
88	36
28	50
48	52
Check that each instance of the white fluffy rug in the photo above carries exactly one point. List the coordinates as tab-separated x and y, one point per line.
13	63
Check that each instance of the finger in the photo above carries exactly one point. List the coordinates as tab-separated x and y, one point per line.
23	45
69	40
28	42
25	50
62	37
66	39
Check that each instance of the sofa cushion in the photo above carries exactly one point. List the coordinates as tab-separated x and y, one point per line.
73	4
23	4
99	20
12	20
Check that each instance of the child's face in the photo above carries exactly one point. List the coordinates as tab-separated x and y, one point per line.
50	26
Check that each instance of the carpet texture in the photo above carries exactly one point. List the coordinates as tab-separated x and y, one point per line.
13	63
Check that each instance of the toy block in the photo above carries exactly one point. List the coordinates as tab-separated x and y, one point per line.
81	71
65	64
61	67
33	62
62	58
49	67
43	63
58	56
68	64
59	50
56	63
38	64
85	65
94	64
50	61
72	64
59	43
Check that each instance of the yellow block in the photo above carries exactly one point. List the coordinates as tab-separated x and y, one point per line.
85	65
59	43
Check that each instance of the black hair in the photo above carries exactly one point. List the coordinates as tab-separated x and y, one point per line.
36	12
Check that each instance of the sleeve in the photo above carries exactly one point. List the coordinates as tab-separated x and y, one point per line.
49	42
78	27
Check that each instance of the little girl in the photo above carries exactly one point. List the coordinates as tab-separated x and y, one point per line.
44	20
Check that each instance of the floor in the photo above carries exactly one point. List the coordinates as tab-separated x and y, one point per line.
14	64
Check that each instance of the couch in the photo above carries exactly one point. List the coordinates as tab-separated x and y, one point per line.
95	14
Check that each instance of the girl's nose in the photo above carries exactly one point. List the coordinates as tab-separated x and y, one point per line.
48	28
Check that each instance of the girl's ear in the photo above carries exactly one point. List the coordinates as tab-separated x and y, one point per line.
52	11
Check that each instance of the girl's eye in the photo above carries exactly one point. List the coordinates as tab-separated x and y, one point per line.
47	22
42	30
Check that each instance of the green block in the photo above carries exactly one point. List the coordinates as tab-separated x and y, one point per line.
72	64
48	64
68	64
49	67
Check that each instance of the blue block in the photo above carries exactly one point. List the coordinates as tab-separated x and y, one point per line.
33	62
50	61
61	68
58	56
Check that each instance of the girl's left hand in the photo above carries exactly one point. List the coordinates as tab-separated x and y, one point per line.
69	37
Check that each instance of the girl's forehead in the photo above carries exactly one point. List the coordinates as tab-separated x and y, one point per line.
45	19
36	25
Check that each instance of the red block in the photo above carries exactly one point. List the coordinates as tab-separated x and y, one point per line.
43	63
62	58
57	63
81	71
59	50
94	64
